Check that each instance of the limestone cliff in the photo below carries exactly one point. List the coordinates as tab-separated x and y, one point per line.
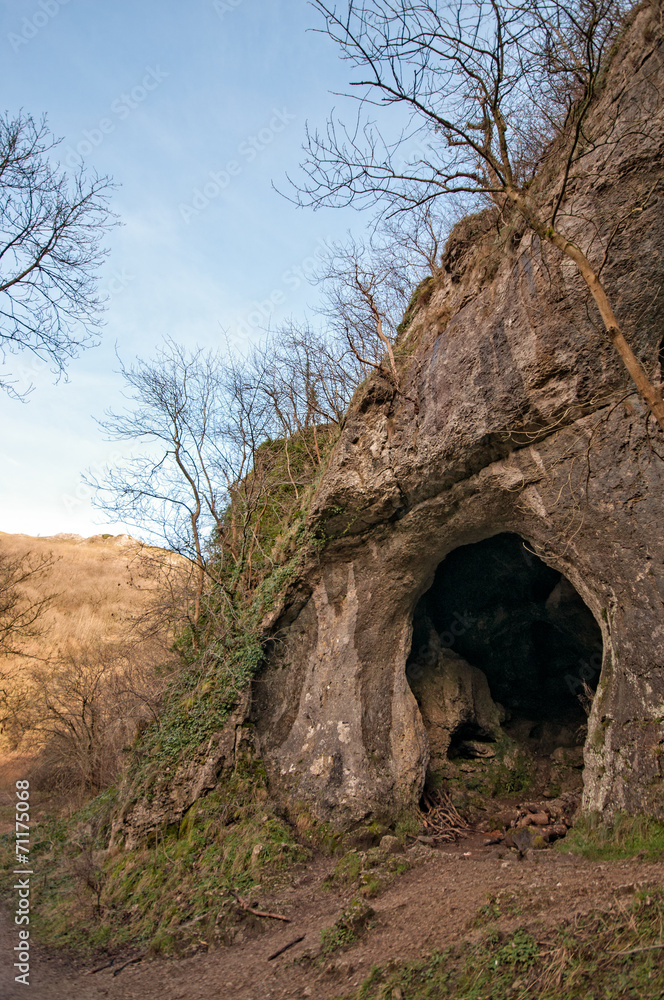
514	416
507	495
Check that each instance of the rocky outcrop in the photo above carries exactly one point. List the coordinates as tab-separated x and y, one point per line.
171	795
454	701
514	415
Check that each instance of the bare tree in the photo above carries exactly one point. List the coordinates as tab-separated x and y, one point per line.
225	443
21	613
367	284
51	227
413	242
81	709
196	447
488	93
308	377
359	291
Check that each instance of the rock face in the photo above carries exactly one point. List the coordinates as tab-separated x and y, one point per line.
454	701
141	816
514	416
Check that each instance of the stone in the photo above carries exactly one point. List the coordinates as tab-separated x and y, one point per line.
533	819
256	853
391	845
525	422
526	838
454	697
568	756
362	837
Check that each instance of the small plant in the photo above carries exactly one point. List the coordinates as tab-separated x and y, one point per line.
520	949
610	954
352	922
502	904
368	872
346	871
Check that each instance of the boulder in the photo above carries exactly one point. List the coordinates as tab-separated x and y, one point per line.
454	700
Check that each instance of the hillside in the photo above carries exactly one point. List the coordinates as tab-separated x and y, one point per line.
98	585
99	593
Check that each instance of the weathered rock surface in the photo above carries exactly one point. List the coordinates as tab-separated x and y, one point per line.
454	699
172	795
526	423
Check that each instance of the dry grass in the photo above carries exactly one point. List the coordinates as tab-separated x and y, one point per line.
77	691
99	583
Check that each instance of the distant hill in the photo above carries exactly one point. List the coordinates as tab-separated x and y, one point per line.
99	583
88	649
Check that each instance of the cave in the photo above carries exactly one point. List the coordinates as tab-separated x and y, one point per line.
504	652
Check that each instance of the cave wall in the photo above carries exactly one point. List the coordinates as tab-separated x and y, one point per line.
500	608
514	415
348	738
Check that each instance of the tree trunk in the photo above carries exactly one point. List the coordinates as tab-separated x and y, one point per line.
649	392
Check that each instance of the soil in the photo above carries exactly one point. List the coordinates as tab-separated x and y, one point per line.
432	905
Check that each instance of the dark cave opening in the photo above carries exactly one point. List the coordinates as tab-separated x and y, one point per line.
502	645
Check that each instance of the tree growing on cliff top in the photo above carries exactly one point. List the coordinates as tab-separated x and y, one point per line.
493	92
223	444
367	284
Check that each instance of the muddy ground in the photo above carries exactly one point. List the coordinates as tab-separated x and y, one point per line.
433	904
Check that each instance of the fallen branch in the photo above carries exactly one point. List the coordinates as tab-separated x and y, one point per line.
132	961
441	818
633	951
100	968
290	944
258	913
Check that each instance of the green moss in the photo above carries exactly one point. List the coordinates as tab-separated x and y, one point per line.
346	871
315	833
408	822
501	904
367	873
420	297
348	927
510	772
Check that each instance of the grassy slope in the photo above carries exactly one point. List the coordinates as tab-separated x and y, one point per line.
606	954
98	583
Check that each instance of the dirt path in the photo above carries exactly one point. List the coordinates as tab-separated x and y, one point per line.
429	907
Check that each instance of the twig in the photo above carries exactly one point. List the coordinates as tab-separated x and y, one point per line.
100	968
132	961
259	913
290	944
633	951
442	819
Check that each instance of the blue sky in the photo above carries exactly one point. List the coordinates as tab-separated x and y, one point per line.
193	109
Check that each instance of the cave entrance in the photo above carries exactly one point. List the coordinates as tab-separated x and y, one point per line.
504	662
